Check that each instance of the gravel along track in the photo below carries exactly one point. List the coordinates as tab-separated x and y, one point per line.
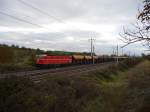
41	75
76	71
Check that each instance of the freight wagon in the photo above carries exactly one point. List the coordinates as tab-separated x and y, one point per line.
53	61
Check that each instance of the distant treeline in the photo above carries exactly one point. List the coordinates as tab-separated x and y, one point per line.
16	55
26	56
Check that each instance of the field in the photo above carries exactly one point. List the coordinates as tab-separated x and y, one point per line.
112	89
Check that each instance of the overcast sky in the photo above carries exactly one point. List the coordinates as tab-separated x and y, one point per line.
68	24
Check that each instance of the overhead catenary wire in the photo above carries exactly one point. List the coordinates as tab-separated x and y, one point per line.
22	20
25	21
44	13
19	19
39	10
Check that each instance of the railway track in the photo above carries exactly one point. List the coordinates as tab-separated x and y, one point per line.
41	75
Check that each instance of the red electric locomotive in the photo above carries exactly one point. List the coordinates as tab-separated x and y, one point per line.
49	61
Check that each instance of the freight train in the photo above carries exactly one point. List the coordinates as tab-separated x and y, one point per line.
54	61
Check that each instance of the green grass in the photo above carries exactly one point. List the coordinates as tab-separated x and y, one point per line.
112	89
127	91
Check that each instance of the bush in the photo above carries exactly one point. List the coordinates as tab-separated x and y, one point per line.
55	95
6	55
16	95
9	68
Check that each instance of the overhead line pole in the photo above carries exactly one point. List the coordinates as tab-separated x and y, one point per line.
93	54
92	49
117	53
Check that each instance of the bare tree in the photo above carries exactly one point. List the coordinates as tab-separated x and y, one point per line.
141	30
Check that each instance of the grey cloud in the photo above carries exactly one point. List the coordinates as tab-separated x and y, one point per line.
96	12
82	34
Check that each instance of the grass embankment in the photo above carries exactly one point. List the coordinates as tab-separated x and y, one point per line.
112	89
127	91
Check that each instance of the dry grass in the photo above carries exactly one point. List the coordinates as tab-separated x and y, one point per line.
127	91
138	92
109	90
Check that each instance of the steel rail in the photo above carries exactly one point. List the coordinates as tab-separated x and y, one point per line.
39	75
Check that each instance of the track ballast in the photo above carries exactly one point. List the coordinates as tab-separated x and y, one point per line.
41	75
